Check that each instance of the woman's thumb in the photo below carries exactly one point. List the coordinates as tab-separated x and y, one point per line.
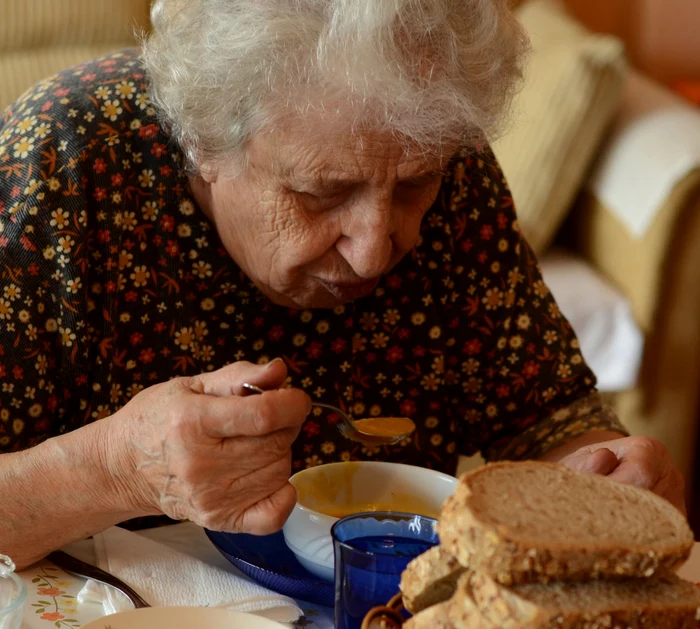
601	461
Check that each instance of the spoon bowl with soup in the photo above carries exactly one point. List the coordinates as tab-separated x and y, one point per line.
373	431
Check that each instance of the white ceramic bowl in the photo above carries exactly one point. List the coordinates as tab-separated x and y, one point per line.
327	492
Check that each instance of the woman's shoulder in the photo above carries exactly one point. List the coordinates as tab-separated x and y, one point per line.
474	202
74	126
68	111
473	169
67	147
119	75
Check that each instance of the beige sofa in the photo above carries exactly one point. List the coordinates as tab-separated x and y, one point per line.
657	273
40	37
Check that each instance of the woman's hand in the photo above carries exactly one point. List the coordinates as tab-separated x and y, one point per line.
196	449
641	461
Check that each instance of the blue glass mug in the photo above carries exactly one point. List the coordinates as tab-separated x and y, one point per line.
371	551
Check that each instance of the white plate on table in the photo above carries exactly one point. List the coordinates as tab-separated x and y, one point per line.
182	618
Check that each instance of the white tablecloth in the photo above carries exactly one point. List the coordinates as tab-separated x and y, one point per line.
47	584
52	592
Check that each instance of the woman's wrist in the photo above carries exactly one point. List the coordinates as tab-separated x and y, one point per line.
95	465
119	466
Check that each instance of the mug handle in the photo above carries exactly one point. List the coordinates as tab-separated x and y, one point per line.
387	616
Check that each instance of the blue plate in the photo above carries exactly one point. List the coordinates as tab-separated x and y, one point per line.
269	561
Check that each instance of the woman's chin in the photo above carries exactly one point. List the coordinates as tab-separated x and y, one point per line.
320	295
346	292
317	297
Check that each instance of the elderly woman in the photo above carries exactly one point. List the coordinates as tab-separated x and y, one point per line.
298	195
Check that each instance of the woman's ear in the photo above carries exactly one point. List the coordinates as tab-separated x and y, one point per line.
201	190
208	172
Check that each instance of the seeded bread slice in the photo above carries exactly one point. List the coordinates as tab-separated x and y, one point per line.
538	522
435	617
462	610
429	579
660	603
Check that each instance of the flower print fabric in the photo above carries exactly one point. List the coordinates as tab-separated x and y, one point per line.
112	280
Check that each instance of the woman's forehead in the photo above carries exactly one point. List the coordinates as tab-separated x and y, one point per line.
343	155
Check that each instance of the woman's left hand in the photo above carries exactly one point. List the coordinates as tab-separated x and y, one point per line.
641	461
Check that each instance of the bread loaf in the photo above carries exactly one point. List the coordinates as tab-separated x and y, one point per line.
665	602
539	522
429	579
435	617
462	610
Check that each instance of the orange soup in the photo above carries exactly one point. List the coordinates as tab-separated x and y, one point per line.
385	426
333	495
405	504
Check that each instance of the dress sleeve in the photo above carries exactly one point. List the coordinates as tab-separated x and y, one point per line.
525	387
43	262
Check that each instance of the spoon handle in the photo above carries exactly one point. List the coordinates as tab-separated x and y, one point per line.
82	569
328	407
251	388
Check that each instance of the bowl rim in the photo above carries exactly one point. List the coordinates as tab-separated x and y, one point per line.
329	518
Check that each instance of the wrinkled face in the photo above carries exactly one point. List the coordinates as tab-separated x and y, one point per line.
317	217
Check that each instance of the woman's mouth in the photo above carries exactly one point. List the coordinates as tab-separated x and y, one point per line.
349	291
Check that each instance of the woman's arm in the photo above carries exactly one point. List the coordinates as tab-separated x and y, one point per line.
61	491
589	439
191	448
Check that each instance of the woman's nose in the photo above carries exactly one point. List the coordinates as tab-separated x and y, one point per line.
367	243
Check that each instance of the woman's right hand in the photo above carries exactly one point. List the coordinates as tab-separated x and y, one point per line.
195	448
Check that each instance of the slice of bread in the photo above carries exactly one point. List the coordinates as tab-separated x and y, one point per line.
665	602
462	610
538	522
429	579
435	617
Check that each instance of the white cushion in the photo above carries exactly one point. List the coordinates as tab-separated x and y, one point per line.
611	341
654	144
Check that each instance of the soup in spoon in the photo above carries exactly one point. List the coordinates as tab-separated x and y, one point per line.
386	426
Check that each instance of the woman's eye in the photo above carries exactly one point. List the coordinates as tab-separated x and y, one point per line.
320	200
424	183
418	189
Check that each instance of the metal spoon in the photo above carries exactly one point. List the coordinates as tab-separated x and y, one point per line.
87	571
348	427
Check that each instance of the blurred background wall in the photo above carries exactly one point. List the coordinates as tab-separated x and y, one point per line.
662	36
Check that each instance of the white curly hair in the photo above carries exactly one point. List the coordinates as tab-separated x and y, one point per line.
431	71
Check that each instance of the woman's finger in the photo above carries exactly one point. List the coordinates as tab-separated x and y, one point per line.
268	515
252	416
252	453
229	380
672	487
601	461
636	469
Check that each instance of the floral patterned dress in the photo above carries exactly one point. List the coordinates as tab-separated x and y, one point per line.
111	280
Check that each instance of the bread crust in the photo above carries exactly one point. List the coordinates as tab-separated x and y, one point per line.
512	608
510	559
